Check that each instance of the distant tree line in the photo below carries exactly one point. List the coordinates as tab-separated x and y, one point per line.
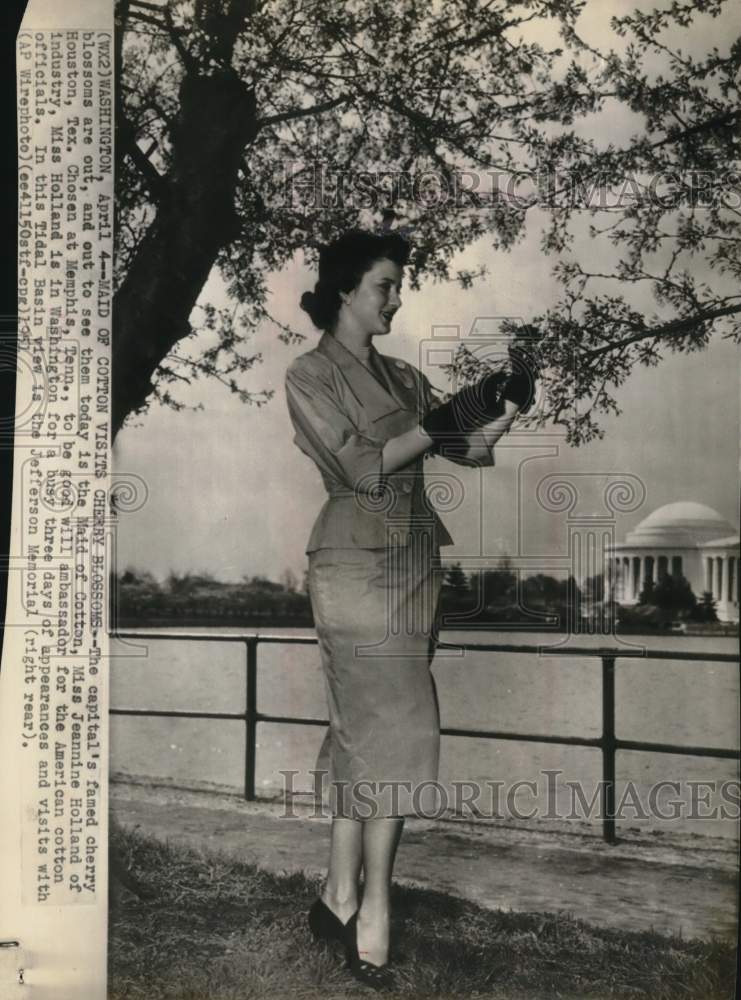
492	596
501	595
672	597
498	596
139	597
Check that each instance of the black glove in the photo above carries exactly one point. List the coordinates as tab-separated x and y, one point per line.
471	407
520	389
520	385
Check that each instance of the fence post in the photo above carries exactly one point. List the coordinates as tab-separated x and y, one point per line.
250	718
608	747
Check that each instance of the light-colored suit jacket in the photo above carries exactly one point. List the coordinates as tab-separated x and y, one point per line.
342	417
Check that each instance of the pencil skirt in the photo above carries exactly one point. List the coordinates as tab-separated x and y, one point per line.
376	617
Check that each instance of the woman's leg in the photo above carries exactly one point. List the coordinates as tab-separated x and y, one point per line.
380	840
345	858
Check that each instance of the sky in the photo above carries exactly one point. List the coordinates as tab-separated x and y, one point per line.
227	491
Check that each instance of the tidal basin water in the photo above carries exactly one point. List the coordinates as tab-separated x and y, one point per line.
664	701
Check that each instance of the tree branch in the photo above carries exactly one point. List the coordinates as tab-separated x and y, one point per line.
457	43
717	122
150	175
677	326
147	19
167	27
185	56
316	109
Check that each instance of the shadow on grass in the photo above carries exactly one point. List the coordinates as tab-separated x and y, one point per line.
214	929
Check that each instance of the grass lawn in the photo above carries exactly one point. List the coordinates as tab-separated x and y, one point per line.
214	929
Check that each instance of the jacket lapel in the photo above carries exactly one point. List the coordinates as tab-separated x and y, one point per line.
371	395
401	383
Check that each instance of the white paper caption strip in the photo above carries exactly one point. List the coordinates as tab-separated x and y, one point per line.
53	682
65	100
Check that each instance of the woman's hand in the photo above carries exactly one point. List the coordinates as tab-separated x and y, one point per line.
497	428
470	408
477	447
464	427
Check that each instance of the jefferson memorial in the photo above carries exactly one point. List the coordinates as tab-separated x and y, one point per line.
685	538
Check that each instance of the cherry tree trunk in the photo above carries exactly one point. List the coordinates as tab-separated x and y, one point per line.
195	219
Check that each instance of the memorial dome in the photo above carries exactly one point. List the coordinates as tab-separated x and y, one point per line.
684	523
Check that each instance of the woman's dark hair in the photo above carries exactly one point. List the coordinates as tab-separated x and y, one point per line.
342	264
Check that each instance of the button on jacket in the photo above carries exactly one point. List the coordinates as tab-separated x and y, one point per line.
342	417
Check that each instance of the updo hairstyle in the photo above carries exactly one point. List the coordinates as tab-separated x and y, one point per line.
342	265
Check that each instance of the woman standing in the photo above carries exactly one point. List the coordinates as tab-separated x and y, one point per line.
367	420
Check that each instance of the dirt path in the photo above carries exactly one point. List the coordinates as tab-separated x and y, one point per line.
672	891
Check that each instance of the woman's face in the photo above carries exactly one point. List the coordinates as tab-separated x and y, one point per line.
369	308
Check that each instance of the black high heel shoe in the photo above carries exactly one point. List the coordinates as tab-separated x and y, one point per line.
379	977
326	925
